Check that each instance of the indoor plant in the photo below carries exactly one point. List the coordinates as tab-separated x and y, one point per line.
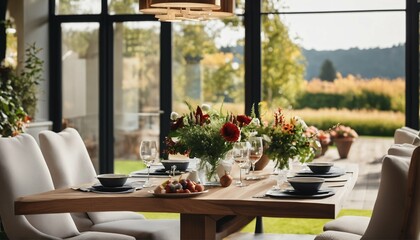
19	92
287	140
207	134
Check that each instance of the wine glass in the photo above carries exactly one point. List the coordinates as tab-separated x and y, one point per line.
255	153
240	155
148	153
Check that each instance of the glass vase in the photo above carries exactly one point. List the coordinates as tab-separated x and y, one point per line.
207	171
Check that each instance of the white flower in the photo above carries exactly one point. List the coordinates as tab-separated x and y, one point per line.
255	122
174	116
205	107
297	121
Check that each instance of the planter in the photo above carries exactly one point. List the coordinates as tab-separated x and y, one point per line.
343	146
324	148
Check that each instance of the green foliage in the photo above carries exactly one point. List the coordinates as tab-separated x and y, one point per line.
367	127
328	71
25	84
12	115
283	64
364	100
354	93
287	140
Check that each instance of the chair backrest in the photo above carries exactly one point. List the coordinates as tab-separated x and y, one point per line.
387	221
411	224
23	172
67	158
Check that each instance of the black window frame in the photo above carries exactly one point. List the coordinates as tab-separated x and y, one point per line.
252	25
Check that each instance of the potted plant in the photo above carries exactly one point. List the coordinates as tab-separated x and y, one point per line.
343	137
19	93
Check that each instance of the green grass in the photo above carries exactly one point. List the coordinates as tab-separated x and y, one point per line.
271	225
280	225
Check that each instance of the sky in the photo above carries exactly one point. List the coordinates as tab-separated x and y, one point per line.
340	30
346	30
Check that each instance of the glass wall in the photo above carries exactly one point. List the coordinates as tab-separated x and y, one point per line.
208	64
67	7
345	62
80	81
136	86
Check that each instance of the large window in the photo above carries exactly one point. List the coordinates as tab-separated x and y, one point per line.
136	86
335	59
122	72
208	64
80	81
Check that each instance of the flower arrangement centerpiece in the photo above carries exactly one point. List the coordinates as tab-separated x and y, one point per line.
343	137
206	134
288	139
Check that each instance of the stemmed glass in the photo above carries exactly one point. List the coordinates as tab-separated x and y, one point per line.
241	156
148	153
255	153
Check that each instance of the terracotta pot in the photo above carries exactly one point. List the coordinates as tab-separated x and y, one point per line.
343	146
260	165
324	148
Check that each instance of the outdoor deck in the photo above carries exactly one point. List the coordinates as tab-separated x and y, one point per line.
367	152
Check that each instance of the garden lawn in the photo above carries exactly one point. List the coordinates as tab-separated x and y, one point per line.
271	225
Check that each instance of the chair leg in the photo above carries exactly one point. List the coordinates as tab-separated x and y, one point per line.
259	228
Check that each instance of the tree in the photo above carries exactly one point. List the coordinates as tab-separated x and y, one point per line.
327	72
283	64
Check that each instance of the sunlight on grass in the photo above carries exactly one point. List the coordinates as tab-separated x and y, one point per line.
280	225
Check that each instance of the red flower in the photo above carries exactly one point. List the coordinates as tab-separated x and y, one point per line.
179	123
243	120
230	132
200	118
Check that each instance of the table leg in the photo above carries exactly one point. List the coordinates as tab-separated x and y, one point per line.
196	226
259	228
211	227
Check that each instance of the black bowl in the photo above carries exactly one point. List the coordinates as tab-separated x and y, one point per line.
320	167
112	180
306	185
181	165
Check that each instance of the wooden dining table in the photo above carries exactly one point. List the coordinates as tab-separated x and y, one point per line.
210	215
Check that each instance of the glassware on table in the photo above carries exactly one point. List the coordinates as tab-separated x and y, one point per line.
255	154
148	153
281	178
241	157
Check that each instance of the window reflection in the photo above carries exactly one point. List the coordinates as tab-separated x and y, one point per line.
80	83
136	86
208	64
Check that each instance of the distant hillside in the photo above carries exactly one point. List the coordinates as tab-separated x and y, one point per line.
368	63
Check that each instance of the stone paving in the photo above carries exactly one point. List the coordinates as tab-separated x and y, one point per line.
367	152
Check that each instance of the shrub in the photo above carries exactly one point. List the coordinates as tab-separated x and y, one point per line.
365	122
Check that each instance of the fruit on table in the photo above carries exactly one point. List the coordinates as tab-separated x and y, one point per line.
226	180
181	186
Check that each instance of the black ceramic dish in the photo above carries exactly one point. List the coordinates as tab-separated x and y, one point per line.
112	180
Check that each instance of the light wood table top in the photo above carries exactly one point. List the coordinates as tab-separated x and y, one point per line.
208	208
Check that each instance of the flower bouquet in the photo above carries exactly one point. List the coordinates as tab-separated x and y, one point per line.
206	134
287	139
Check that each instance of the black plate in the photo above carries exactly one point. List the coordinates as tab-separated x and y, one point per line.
334	172
291	193
124	189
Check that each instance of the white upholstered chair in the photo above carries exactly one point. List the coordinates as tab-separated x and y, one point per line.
23	172
406	135
70	165
396	212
